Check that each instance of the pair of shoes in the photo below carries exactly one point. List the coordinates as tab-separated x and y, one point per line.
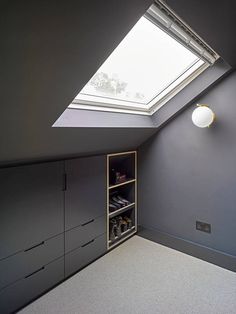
116	177
120	178
123	200
118	225
115	227
117	202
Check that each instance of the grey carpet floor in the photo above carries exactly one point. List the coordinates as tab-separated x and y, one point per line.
142	277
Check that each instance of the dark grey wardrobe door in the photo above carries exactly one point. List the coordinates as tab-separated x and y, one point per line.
76	237
31	205
85	197
21	264
23	291
84	255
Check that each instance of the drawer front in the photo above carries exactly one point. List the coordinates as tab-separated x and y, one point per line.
31	202
21	264
23	291
80	257
85	196
88	231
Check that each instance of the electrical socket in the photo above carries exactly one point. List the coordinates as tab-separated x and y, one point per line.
203	226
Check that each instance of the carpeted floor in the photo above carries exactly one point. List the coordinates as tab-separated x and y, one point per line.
142	277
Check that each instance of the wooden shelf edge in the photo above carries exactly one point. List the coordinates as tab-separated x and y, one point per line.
122	234
113	244
120	184
123	153
121	210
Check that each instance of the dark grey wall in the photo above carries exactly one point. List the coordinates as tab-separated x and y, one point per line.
188	174
193	90
49	50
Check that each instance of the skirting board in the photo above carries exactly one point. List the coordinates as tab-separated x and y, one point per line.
207	254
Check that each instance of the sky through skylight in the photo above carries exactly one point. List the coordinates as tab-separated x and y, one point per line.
143	64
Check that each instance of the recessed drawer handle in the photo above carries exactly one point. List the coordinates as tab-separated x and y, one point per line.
33	247
42	268
86	223
88	243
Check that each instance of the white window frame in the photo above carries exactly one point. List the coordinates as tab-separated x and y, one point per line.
91	103
168	22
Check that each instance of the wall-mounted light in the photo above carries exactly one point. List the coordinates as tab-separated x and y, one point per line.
203	116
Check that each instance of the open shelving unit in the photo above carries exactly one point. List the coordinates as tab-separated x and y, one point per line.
121	182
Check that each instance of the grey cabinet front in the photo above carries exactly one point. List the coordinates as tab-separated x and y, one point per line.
23	291
82	256
31	203
85	196
76	237
21	264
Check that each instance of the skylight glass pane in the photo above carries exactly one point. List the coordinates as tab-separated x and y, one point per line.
146	62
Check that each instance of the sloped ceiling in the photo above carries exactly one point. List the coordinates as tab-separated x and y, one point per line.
49	50
214	21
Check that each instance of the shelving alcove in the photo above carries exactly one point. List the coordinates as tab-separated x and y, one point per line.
121	197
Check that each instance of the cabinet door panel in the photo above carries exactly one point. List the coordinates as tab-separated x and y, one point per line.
19	265
31	205
82	256
23	291
76	237
85	197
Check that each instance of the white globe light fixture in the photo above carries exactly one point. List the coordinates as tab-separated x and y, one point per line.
203	116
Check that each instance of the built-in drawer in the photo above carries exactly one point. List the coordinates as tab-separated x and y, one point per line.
23	291
82	256
91	229
19	265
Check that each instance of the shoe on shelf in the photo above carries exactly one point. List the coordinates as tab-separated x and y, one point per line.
121	178
112	229
124	225
129	222
123	200
112	207
118	224
117	205
116	200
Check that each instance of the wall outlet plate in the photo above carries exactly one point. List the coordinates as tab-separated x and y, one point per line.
203	226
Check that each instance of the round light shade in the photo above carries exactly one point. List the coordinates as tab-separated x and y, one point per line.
203	116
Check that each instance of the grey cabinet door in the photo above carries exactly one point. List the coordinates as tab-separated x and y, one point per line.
21	264
76	237
31	205
84	255
85	196
25	290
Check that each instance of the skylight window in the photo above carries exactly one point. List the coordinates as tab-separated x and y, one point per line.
146	69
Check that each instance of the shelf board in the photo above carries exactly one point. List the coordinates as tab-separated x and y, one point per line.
120	184
123	153
121	239
121	210
122	235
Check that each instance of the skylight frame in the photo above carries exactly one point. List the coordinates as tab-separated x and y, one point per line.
135	108
90	102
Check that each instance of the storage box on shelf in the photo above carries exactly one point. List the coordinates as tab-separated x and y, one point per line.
121	197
